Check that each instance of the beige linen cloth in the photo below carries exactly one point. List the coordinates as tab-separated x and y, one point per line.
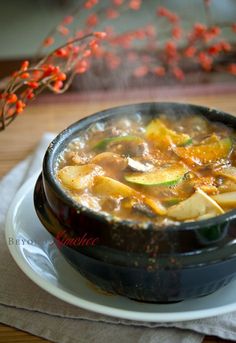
27	307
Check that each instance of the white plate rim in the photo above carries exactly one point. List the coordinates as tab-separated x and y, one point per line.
158	317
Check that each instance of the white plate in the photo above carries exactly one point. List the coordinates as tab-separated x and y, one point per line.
44	264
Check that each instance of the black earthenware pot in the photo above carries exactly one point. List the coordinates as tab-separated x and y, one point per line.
139	261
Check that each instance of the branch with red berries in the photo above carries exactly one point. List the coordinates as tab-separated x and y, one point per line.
54	72
143	48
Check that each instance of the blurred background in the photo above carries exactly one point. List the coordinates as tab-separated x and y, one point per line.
25	24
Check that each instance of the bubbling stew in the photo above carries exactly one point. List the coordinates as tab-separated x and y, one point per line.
164	169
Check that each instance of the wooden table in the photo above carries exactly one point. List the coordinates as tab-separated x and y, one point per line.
22	136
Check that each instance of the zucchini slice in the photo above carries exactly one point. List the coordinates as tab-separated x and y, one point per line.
165	176
206	153
101	145
160	135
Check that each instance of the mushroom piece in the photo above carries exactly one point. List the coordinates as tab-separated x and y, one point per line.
138	166
143	209
136	206
134	147
110	160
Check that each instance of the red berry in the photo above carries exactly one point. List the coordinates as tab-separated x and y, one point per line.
199	30
225	46
190	51
37	75
214	49
111	13
11	111
30	95
33	84
20	105
164	12
92	20
48	41
68	20
24	65
140	71
159	71
90	3
64	31
87	53
63	52
25	76
100	35
215	30
118	2
135	4
232	68
58	85
176	32
61	76
12	98
178	73
171	50
81	67
205	61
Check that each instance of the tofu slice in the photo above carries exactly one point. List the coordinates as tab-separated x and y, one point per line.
78	178
225	199
107	186
199	204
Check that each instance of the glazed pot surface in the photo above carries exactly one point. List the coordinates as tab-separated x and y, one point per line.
148	264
